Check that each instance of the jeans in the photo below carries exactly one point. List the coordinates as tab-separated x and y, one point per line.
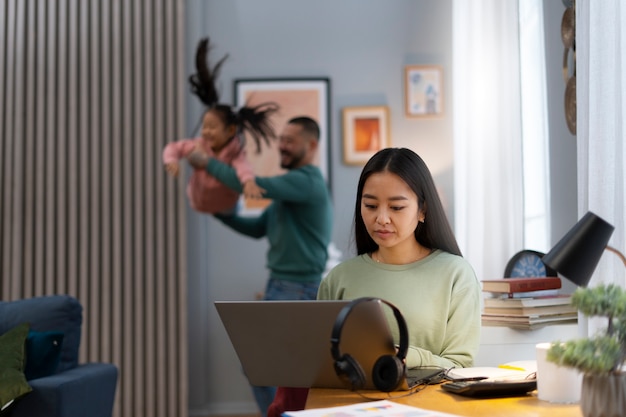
282	290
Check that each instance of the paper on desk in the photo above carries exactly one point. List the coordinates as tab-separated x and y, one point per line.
382	408
511	371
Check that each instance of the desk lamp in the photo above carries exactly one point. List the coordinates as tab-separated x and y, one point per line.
577	254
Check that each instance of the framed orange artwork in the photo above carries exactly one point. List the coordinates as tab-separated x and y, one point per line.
423	90
365	132
296	97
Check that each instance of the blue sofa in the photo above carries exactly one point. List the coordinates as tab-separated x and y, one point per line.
61	387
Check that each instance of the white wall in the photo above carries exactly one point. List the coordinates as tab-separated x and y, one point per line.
362	46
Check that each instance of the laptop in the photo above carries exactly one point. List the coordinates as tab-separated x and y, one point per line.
287	343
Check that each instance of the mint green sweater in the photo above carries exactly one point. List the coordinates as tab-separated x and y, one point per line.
439	297
297	224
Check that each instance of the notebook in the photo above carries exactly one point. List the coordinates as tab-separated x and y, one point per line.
287	343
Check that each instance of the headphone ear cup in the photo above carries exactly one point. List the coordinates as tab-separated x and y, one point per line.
349	370
387	373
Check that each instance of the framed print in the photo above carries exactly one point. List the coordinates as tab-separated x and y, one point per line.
296	97
365	132
423	90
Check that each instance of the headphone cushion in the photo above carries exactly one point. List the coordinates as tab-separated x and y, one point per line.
347	368
387	373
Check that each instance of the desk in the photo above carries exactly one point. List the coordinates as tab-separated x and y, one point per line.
434	398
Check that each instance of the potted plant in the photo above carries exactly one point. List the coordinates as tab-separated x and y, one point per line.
599	358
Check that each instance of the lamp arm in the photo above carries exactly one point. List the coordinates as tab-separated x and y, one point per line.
618	253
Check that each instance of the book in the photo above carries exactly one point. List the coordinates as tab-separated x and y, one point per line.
523	284
514	370
526	294
528	326
562	299
528	322
527	311
381	408
530	318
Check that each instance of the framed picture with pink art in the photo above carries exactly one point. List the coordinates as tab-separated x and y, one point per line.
295	97
365	132
423	90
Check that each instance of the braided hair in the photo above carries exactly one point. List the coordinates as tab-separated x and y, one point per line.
253	119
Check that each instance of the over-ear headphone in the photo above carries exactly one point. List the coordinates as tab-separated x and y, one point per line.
388	370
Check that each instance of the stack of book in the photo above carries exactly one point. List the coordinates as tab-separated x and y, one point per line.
526	303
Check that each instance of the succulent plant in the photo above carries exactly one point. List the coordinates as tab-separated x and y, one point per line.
605	352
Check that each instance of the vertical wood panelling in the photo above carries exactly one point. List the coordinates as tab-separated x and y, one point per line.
42	88
92	91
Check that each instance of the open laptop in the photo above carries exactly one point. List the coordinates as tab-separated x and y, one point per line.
287	343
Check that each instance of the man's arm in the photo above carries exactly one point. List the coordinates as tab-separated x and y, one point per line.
224	173
295	185
249	226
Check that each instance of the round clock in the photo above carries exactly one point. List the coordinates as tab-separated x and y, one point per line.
528	263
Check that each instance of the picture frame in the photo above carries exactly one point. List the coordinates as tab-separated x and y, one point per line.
365	132
304	96
423	91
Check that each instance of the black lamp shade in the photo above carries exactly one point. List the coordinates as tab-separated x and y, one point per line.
577	254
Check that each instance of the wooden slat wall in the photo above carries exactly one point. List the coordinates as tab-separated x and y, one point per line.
91	90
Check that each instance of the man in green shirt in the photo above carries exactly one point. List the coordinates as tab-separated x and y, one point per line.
297	223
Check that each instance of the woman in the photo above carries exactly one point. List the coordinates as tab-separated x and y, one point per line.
408	256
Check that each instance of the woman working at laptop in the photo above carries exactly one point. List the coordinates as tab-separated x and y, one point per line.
408	256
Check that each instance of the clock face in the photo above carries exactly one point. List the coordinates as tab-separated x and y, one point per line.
528	265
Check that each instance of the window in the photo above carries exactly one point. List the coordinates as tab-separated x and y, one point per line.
534	127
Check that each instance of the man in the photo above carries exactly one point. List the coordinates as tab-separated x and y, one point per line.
297	224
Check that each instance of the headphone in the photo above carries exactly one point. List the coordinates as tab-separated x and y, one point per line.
388	370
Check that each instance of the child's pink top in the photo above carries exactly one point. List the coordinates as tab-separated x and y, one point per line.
207	194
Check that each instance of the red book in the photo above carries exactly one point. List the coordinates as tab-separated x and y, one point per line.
525	284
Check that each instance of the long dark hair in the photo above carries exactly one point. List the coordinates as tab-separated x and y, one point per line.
254	119
435	232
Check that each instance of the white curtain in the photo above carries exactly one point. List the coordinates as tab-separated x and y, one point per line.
601	115
489	215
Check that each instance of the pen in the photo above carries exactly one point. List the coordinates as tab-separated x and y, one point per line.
474	378
514	368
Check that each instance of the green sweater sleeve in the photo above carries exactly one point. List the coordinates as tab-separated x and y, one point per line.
250	226
296	185
225	173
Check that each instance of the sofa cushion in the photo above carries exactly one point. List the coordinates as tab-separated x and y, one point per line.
43	353
13	383
60	313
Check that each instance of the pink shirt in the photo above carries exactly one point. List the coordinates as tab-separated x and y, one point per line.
207	194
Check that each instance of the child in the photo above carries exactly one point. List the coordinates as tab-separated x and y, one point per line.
221	138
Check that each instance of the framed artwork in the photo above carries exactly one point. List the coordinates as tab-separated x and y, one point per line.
423	90
365	132
296	97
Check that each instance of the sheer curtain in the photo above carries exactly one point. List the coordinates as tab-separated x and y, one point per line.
488	134
601	115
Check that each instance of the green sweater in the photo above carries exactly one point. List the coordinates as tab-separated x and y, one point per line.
439	297
298	222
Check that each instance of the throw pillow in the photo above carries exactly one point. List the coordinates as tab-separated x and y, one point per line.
43	353
13	383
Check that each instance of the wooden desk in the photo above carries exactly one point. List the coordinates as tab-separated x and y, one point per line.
434	398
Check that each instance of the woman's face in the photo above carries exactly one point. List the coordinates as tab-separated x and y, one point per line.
215	133
390	210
